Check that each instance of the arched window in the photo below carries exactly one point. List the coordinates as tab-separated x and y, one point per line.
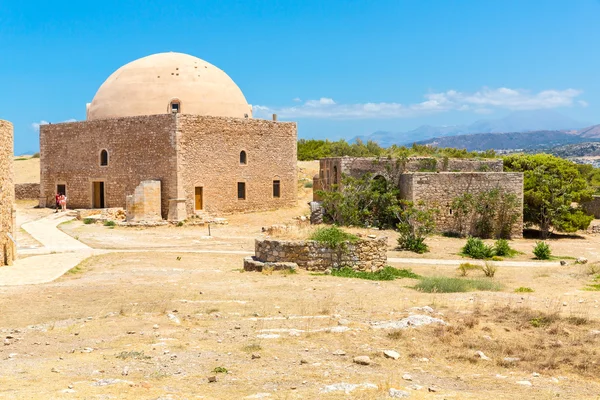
104	158
175	106
335	177
243	158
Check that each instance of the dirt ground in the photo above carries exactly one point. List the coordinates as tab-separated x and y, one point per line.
156	318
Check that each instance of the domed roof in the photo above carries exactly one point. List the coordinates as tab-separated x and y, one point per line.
147	86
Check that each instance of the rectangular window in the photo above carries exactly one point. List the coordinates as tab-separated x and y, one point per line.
241	190
276	189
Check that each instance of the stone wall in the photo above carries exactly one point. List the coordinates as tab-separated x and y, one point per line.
7	195
139	149
144	203
440	189
593	207
209	158
27	191
364	255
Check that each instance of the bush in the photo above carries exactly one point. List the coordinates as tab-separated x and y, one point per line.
332	237
442	284
523	289
386	274
416	223
110	223
475	248
308	184
88	221
35	155
502	248
542	251
489	269
464	268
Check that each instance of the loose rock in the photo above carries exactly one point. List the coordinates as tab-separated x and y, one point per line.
391	354
398	394
362	360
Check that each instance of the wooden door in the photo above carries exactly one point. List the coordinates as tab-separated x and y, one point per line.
198	199
98	195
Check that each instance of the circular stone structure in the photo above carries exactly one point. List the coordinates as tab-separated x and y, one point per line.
152	84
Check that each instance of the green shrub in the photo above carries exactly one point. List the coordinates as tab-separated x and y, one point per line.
332	237
489	269
502	248
523	289
110	223
542	251
308	184
441	284
88	221
385	274
35	155
475	248
464	268
416	222
220	370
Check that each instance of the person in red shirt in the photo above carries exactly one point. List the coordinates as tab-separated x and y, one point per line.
57	199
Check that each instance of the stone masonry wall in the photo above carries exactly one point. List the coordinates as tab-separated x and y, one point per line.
440	189
27	191
364	255
144	203
593	207
209	157
7	195
139	148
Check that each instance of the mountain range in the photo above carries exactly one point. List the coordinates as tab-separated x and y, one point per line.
518	130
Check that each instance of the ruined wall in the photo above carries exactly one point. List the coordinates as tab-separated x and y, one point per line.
139	148
209	157
593	207
440	189
27	191
7	195
144	204
332	169
364	255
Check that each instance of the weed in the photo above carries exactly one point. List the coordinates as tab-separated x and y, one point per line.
75	270
212	310
220	370
136	355
475	248
542	251
502	248
180	223
464	268
332	237
396	334
88	221
442	284
35	155
252	347
593	268
110	223
489	269
308	184
496	258
523	289
386	274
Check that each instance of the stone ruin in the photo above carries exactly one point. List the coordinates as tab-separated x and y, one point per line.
144	204
8	247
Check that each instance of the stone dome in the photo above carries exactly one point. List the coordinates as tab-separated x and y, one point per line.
152	84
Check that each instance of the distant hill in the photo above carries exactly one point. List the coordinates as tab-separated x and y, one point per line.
519	121
586	149
592	132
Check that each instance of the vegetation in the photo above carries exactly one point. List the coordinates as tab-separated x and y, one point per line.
475	248
35	155
220	370
552	186
523	289
332	237
441	284
385	274
88	221
542	251
487	214
465	268
489	269
110	223
416	222
503	249
136	355
315	149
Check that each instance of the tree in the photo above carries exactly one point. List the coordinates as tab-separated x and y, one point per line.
416	222
553	189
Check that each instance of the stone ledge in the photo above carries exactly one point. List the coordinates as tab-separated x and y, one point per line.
252	264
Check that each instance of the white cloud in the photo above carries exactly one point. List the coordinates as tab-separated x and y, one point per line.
297	99
36	125
483	101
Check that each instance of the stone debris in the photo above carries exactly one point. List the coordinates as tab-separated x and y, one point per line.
258	396
110	381
339	353
347	387
255	356
524	383
536	374
482	356
268	336
174	318
87	350
155	326
511	359
412	321
426	309
212	379
398	394
391	354
125	371
407	377
362	360
581	260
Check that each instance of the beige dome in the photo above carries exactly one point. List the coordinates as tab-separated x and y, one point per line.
149	85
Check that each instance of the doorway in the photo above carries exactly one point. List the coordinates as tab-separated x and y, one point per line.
98	195
61	189
198	199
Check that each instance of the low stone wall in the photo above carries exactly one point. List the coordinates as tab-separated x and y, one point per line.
593	207
364	255
27	191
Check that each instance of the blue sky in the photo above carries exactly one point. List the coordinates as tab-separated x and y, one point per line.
339	68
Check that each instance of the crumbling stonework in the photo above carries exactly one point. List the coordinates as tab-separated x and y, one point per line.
7	195
144	203
593	207
27	191
364	255
183	152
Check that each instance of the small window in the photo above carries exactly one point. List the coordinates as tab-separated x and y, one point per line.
241	190
335	178
243	158
104	158
175	106
276	188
